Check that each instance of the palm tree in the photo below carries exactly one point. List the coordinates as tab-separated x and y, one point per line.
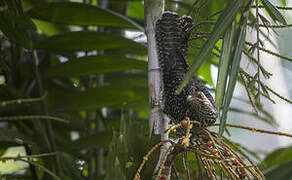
74	91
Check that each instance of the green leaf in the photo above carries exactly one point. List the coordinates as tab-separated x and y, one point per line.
12	31
277	157
16	138
221	25
136	9
81	14
14	24
138	80
273	12
120	78
205	72
46	27
86	41
97	140
113	169
129	164
234	69
108	96
96	65
71	171
281	172
251	83
223	67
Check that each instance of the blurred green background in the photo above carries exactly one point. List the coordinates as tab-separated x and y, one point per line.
88	60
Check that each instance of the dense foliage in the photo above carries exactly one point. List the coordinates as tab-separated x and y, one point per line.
73	83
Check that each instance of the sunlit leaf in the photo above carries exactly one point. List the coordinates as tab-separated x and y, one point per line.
136	9
205	72
46	27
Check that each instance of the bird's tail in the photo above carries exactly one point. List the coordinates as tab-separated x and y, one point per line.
172	33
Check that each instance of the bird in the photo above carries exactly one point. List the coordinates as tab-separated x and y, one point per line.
194	101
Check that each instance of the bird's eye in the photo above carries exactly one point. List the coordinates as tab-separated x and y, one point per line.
200	96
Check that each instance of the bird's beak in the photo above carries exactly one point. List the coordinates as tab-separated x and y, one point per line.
190	98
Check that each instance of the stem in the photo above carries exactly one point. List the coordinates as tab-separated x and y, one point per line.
278	7
146	157
258	52
48	123
99	152
48	135
257	130
186	164
271	52
200	177
21	101
153	10
89	154
31	117
99	158
32	169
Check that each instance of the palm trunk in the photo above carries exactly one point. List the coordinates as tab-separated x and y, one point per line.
153	10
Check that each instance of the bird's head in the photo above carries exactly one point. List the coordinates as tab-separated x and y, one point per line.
198	97
202	106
